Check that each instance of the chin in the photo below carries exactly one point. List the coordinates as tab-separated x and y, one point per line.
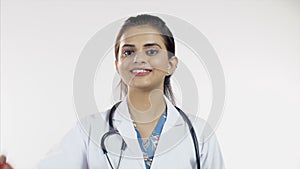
145	86
141	86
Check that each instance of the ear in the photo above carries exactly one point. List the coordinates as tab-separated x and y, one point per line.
116	66
173	61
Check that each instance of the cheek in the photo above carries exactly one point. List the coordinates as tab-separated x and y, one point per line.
123	67
122	70
159	62
123	64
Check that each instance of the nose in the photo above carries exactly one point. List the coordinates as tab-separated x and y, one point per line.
139	57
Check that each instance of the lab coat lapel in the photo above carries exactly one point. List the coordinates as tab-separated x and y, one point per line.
173	131
173	117
123	123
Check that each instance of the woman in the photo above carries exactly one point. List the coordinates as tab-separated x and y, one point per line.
147	130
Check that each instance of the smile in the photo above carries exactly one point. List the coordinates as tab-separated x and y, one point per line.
141	71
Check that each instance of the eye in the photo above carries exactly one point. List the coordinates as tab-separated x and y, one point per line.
128	52
151	52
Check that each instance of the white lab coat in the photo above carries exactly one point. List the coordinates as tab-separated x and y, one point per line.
80	148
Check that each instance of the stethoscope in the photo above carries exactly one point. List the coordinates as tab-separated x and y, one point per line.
112	131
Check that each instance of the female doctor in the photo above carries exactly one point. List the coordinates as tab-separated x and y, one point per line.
145	130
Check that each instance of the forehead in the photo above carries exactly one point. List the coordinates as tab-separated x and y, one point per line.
141	35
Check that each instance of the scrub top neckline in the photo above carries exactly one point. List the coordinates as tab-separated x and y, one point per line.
148	147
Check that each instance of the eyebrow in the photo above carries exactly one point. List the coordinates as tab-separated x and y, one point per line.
146	45
128	45
152	44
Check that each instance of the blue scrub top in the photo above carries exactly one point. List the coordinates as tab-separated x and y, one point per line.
148	148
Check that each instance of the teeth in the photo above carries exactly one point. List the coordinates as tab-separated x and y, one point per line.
140	70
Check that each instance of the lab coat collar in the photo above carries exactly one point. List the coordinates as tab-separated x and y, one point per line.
173	117
124	124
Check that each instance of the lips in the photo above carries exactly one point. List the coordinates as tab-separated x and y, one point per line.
141	71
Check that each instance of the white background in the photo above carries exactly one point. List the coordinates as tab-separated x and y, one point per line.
258	44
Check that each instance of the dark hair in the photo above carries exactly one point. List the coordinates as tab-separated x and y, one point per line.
168	39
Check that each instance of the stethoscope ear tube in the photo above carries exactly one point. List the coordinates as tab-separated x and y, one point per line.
123	147
103	140
111	129
193	134
111	132
111	114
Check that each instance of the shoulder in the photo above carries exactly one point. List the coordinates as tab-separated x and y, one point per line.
97	121
198	122
98	117
203	128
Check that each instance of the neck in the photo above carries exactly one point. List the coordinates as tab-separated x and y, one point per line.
146	106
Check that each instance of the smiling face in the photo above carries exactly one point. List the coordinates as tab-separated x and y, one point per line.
142	60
